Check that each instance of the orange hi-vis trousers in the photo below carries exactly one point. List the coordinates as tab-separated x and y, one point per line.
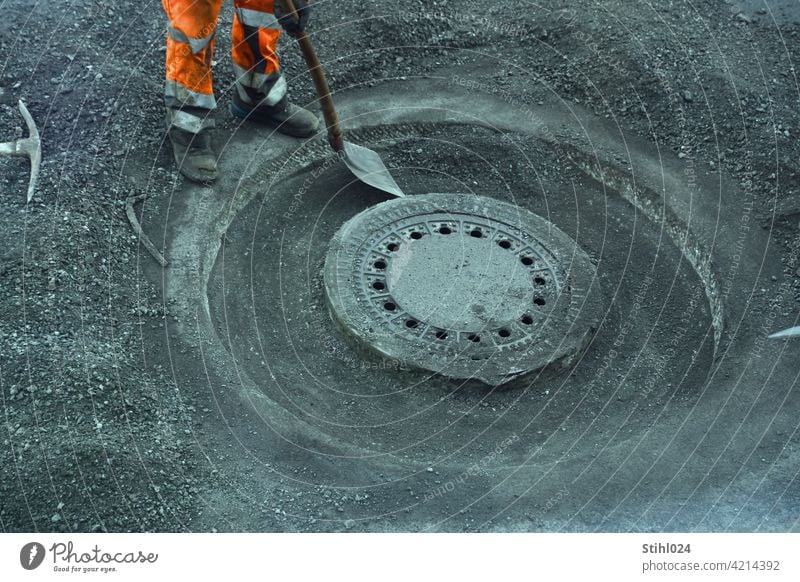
189	92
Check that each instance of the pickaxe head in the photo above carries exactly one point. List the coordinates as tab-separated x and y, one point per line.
30	146
791	332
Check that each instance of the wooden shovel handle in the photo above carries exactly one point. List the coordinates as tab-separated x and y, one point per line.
320	81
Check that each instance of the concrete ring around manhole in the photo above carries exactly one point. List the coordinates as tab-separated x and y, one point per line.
462	285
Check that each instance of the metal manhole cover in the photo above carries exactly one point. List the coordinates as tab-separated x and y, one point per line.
465	286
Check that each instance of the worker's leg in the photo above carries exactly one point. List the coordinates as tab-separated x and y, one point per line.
190	47
189	95
261	91
255	39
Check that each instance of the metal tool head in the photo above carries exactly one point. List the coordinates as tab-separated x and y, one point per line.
30	146
370	169
791	332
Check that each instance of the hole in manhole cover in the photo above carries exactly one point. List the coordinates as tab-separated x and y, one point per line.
466	286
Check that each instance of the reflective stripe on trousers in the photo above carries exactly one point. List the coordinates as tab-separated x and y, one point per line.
190	48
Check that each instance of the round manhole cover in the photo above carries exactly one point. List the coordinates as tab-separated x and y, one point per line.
461	285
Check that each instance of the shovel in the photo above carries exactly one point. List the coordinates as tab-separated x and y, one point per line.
365	164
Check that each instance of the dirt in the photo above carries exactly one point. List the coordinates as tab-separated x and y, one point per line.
100	433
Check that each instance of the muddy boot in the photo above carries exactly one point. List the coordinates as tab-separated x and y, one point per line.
284	116
193	154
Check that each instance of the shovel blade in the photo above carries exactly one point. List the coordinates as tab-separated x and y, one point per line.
370	169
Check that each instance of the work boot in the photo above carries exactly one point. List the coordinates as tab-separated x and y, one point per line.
193	154
284	116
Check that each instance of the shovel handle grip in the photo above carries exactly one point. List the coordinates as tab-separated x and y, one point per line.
320	82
